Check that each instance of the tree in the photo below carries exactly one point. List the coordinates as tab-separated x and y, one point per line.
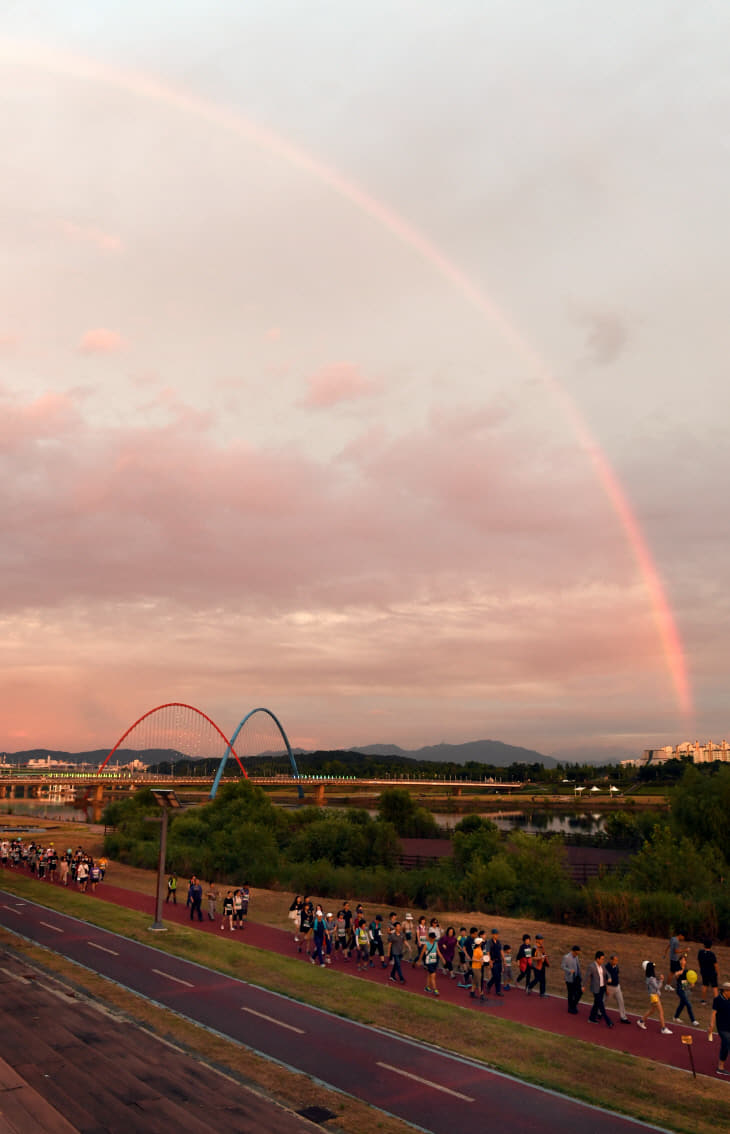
667	863
397	806
701	805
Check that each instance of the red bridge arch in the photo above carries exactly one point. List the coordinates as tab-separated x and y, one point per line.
227	746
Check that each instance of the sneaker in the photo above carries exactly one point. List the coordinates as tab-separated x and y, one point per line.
668	988
641	1024
435	991
667	1032
625	1020
721	1071
393	979
427	989
676	1020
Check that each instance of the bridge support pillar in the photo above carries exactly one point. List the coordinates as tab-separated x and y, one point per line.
319	795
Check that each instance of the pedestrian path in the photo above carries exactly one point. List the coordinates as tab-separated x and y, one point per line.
548	1014
411	1079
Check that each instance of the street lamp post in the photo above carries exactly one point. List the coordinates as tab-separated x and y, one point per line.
167	801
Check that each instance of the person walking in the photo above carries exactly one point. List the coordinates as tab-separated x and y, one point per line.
477	960
294	915
540	964
654	988
597	983
397	943
720	1022
495	961
674	949
613	985
195	899
212	898
524	961
228	910
570	965
318	932
707	963
171	889
683	989
431	956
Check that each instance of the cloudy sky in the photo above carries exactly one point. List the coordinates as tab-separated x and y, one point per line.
365	361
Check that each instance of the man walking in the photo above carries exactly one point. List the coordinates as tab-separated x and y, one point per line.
495	960
597	980
195	898
539	965
720	1021
613	987
573	982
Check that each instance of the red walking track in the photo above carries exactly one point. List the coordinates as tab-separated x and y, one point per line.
549	1013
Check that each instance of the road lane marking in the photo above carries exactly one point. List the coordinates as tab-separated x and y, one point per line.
103	948
12	909
426	1082
273	1020
177	980
49	926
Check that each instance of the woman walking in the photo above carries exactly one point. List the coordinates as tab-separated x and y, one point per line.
431	955
654	988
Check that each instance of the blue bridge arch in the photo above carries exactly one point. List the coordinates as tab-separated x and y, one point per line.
232	741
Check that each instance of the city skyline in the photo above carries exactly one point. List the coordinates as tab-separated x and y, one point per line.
367	363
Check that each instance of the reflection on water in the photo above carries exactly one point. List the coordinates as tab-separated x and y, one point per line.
542	822
534	822
44	809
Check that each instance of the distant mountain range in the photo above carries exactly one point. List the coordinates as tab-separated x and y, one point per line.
492	752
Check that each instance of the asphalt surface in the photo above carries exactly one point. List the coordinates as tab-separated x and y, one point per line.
414	1081
549	1014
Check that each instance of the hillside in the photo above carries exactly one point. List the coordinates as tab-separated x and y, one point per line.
493	752
489	752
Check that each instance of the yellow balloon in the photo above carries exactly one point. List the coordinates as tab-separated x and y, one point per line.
691	976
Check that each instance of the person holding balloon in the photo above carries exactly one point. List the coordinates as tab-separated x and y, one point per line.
684	979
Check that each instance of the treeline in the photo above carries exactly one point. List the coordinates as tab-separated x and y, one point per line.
675	879
362	765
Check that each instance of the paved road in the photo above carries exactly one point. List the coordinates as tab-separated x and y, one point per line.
548	1014
429	1088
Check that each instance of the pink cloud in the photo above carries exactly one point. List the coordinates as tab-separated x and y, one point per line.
340	382
51	416
430	570
100	340
91	234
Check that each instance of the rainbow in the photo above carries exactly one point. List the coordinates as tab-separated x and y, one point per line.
39	57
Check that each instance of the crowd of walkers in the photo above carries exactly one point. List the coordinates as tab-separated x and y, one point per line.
70	867
483	965
478	961
234	908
